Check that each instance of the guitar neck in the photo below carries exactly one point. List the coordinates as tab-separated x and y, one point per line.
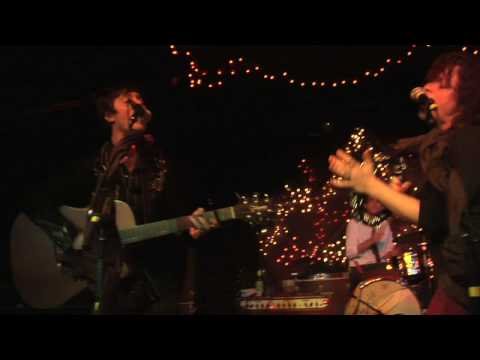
171	226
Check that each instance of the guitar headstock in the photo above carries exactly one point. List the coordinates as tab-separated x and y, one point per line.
255	209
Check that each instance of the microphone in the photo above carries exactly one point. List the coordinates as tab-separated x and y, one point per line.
419	95
140	113
427	105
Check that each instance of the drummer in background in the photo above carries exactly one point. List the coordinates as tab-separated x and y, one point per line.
368	247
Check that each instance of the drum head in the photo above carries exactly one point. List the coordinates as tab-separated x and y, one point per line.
382	297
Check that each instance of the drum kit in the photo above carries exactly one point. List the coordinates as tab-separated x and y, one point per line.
404	289
401	286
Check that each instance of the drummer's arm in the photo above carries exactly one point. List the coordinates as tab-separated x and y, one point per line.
354	247
390	247
392	252
377	235
351	242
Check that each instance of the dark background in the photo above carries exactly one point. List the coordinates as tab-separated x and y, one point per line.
247	136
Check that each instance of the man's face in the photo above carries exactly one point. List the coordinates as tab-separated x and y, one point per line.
444	92
122	118
374	207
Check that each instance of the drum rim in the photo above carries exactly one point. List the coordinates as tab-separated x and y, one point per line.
369	282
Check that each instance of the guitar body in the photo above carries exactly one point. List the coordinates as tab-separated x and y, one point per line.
39	281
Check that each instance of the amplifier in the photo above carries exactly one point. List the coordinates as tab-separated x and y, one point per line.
294	305
321	294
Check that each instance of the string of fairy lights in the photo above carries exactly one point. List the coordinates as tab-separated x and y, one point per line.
322	213
241	67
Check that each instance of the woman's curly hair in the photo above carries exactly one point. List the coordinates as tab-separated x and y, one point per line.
469	87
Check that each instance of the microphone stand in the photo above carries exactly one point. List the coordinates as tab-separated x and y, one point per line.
98	213
96	235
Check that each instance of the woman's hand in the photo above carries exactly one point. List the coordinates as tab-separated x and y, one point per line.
353	174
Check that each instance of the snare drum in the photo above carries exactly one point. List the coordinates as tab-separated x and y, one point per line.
382	297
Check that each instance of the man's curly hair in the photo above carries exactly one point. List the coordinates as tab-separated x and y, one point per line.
469	87
105	97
